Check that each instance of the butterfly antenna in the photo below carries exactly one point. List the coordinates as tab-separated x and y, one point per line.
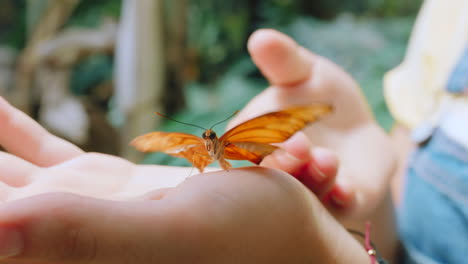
237	111
159	114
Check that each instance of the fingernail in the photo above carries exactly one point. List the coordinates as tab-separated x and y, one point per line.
318	175
11	242
337	200
291	157
340	195
321	156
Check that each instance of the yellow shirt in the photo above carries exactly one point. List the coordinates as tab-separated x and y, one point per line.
415	90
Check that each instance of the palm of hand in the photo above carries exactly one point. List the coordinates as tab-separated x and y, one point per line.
95	175
39	162
60	227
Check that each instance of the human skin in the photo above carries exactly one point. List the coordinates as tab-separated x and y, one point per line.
252	215
61	205
367	158
188	223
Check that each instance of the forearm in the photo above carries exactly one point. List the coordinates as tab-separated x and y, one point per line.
386	237
373	200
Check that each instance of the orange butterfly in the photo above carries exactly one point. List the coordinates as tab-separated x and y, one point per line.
247	141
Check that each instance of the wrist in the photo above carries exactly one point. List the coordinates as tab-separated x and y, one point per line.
330	242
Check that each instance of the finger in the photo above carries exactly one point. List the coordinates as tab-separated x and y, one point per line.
341	199
65	228
299	76
315	167
6	192
287	66
23	137
14	171
319	174
292	156
281	60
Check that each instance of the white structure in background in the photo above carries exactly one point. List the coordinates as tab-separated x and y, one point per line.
139	69
61	111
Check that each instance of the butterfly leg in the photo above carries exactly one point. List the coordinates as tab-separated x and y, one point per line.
225	165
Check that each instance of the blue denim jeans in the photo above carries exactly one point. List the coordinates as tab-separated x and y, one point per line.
433	218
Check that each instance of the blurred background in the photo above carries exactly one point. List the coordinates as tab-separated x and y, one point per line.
94	72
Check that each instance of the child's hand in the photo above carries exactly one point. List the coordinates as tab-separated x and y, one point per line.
365	156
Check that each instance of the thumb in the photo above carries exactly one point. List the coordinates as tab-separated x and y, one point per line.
286	65
66	228
281	60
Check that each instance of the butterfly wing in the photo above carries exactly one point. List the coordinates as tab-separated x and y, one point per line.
175	144
253	152
251	140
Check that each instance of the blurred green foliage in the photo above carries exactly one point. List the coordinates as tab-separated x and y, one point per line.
217	33
13	23
376	46
91	72
96	69
90	13
229	79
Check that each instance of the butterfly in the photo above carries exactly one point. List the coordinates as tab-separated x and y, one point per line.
250	140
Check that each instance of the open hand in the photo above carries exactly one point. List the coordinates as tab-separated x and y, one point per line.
349	137
61	205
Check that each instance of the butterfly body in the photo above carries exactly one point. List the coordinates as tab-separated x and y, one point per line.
215	148
250	140
212	144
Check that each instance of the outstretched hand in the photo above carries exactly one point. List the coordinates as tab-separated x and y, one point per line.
97	208
61	205
349	136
